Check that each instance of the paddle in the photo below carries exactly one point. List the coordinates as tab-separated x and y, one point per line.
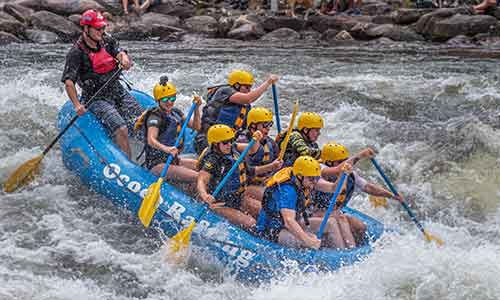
27	171
152	199
331	206
427	235
276	108
289	131
181	239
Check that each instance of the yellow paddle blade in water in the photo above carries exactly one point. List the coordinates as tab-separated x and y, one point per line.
180	242
378	201
23	174
430	238
150	203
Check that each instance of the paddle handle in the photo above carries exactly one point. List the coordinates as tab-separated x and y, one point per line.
178	140
276	108
73	120
235	165
332	205
395	192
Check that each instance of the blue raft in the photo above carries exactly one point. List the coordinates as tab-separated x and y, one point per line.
89	152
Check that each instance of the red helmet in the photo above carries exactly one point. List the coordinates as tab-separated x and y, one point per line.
93	19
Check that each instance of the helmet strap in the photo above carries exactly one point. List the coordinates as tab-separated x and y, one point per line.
237	86
86	34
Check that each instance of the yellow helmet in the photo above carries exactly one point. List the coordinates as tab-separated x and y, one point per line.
240	77
164	89
309	120
334	152
259	115
306	166
218	133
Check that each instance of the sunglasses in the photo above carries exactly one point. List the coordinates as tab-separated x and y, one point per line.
227	142
100	28
167	99
315	179
267	125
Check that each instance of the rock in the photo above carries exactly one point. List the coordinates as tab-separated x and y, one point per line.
407	16
245	32
271	23
112	6
310	35
344	36
161	24
15	27
21	13
394	32
69	7
63	27
339	22
134	31
382	19
427	21
382	41
202	24
377	8
7	38
460	40
75	19
460	24
282	34
6	17
179	8
359	31
329	35
380	30
225	25
35	5
41	37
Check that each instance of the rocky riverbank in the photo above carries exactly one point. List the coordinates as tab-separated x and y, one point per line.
52	21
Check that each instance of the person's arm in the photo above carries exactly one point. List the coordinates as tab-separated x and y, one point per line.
153	142
73	96
293	226
273	166
119	53
252	96
195	122
329	187
376	190
202	184
257	136
70	76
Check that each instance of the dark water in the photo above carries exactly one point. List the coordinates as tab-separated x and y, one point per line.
433	118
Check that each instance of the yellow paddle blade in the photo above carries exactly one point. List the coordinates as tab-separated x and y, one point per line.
289	131
430	238
180	241
378	201
150	203
23	174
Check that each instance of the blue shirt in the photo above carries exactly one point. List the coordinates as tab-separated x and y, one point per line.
284	196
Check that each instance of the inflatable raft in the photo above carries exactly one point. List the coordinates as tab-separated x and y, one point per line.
89	152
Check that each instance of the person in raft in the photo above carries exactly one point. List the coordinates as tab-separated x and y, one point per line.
283	216
162	125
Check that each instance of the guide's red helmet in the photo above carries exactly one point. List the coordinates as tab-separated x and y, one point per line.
93	19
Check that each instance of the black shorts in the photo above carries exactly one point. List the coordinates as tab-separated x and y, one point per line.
231	200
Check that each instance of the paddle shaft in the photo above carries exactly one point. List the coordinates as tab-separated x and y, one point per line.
332	205
73	120
178	140
395	192
289	131
276	108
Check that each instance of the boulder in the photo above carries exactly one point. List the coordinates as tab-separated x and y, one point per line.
225	25
344	36
381	41
205	25
161	24
394	32
69	7
426	22
41	36
329	35
245	32
407	16
14	27
7	38
63	27
460	40
271	23
35	5
75	19
377	8
133	31
382	19
6	17
460	24
21	13
359	31
310	35
180	8
282	35
338	22
112	6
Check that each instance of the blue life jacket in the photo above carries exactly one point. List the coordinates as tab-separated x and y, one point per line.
219	110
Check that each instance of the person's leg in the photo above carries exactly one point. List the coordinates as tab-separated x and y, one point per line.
346	230
358	228
189	163
236	217
250	205
332	235
256	192
129	110
125	7
176	172
121	139
286	238
481	8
